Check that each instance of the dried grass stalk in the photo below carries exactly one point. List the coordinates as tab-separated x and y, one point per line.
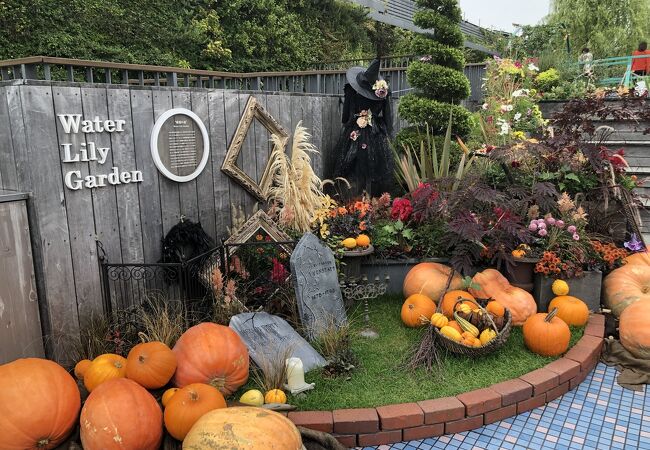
271	369
295	185
162	320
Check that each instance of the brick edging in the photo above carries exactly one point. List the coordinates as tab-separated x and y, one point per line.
467	411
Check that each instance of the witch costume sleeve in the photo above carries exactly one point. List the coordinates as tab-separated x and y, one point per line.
363	154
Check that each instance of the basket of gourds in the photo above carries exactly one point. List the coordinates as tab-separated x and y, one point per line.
479	327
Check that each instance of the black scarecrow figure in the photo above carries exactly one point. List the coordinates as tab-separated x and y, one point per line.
363	155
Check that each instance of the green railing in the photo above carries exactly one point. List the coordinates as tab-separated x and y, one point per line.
612	69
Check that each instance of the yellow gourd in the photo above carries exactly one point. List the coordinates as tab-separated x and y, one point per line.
487	335
466	326
464	308
439	320
451	333
275	396
560	287
349	243
518	254
252	397
362	240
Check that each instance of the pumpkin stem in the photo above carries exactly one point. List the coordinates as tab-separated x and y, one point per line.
43	443
141	358
194	396
550	315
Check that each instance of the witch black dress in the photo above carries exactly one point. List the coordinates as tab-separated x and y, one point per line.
363	154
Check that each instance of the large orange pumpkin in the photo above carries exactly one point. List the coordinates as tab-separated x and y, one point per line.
627	285
450	298
188	405
120	414
633	329
546	334
642	258
417	310
430	279
212	354
103	368
151	364
570	309
39	404
494	285
243	427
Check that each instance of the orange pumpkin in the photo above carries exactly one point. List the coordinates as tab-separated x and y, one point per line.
243	427
39	404
495	308
494	285
546	334
120	414
188	405
81	367
450	299
103	368
633	329
641	258
570	309
151	364
627	284
167	396
212	354
416	310
430	279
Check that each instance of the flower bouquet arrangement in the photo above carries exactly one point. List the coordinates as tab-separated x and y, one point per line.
335	223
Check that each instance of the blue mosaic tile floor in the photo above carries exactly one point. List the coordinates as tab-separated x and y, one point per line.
598	415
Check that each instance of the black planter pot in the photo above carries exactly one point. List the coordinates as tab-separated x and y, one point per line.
586	288
523	273
394	269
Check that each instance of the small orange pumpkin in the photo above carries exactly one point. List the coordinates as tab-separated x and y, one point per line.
450	299
81	367
167	395
455	326
416	310
188	405
495	308
103	368
546	334
570	309
151	364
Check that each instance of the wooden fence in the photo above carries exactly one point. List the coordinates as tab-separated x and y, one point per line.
128	219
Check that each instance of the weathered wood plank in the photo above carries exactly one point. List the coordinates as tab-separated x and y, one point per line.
169	190
187	191
262	140
104	199
317	133
285	117
8	173
148	190
205	182
231	117
128	204
20	326
50	206
219	140
246	160
79	206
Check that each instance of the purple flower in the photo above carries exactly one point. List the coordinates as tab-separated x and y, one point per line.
576	237
559	223
550	221
532	226
542	232
634	244
571	229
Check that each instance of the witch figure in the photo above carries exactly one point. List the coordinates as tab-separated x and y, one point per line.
363	154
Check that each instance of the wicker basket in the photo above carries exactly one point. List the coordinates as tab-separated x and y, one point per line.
494	344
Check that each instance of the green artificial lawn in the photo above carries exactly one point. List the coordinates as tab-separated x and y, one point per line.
380	377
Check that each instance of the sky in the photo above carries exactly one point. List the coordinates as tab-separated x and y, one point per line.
501	14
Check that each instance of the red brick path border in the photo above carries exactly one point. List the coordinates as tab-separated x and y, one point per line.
467	411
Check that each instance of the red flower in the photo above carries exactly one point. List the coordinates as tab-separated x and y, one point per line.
401	209
279	273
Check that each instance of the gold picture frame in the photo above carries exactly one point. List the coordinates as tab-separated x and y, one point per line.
258	221
253	110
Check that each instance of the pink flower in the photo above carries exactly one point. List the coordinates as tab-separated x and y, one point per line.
532	226
571	229
559	223
550	221
576	237
541	225
542	232
354	135
364	146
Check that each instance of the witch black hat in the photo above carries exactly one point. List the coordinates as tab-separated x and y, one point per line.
362	79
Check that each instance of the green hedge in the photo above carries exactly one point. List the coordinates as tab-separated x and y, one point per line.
448	8
440	54
442	83
446	32
421	111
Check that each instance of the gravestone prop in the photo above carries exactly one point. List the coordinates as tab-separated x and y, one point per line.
316	282
268	335
179	145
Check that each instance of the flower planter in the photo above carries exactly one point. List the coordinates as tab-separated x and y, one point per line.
586	288
523	273
395	269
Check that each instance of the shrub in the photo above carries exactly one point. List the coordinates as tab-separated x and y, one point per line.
547	80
